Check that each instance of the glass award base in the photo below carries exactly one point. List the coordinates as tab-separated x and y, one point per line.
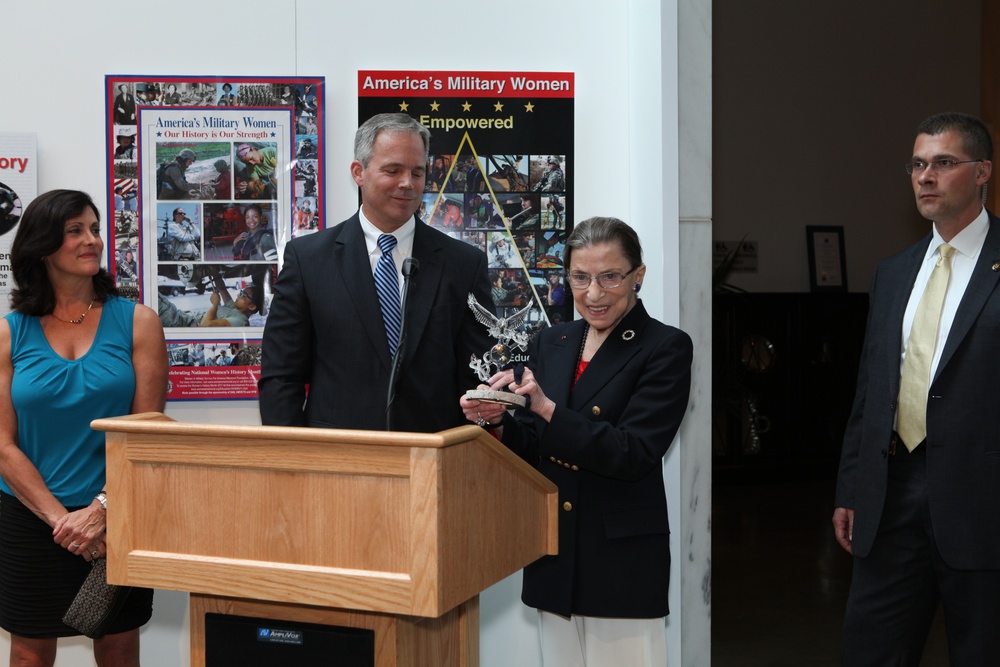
491	396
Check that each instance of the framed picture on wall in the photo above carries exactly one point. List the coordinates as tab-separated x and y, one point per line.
827	262
208	178
500	172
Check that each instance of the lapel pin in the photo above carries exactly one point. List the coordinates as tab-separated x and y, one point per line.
996	267
628	334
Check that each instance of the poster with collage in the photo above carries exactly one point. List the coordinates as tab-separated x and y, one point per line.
18	186
208	179
499	175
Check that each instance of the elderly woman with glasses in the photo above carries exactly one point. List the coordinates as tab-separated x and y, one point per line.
607	395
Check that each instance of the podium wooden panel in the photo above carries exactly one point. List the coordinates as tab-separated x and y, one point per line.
380	530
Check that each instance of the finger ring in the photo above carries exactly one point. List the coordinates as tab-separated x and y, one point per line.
480	422
94	553
74	545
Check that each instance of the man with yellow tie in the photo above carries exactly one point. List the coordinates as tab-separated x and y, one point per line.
918	493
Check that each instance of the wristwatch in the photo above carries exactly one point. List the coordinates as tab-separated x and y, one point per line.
103	499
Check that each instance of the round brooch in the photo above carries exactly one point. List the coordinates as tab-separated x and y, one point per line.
628	334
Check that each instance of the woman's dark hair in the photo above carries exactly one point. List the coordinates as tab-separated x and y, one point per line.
39	234
598	230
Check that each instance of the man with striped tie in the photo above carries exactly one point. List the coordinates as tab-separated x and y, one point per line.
335	322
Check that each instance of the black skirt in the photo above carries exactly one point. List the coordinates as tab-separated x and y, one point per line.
39	579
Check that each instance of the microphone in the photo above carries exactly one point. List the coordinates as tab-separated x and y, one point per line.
411	266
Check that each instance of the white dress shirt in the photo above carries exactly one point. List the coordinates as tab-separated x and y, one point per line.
403	249
968	243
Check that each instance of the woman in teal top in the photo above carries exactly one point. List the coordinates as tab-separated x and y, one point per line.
72	351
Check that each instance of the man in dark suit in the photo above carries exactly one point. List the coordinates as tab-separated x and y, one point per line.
924	525
326	333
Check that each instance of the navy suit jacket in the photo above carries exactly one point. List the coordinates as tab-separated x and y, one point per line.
325	330
604	449
963	413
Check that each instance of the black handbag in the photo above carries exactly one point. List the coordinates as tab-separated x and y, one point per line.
97	603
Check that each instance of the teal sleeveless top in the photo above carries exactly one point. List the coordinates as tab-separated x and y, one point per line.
55	400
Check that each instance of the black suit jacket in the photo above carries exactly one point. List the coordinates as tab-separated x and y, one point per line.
604	449
325	330
963	413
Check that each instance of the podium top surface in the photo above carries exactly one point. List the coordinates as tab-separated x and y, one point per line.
158	423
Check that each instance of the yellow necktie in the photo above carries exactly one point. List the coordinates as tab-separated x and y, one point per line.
915	383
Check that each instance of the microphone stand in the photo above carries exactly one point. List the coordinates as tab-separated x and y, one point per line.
410	268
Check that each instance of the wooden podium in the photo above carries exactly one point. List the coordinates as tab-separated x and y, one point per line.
389	531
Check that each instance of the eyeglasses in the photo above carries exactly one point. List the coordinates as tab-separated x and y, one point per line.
243	294
943	166
609	280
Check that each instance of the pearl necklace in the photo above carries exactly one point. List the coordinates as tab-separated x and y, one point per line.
78	320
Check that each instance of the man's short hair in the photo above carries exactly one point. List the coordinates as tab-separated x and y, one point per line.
976	137
364	138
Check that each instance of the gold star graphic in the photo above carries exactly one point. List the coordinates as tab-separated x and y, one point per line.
434	106
529	107
466	106
498	106
404	106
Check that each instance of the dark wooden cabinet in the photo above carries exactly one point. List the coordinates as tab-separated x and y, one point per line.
784	369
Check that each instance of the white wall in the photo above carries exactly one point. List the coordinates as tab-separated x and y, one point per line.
626	154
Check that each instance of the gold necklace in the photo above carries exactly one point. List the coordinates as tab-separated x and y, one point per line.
78	320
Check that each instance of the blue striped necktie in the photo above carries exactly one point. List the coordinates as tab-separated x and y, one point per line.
387	287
